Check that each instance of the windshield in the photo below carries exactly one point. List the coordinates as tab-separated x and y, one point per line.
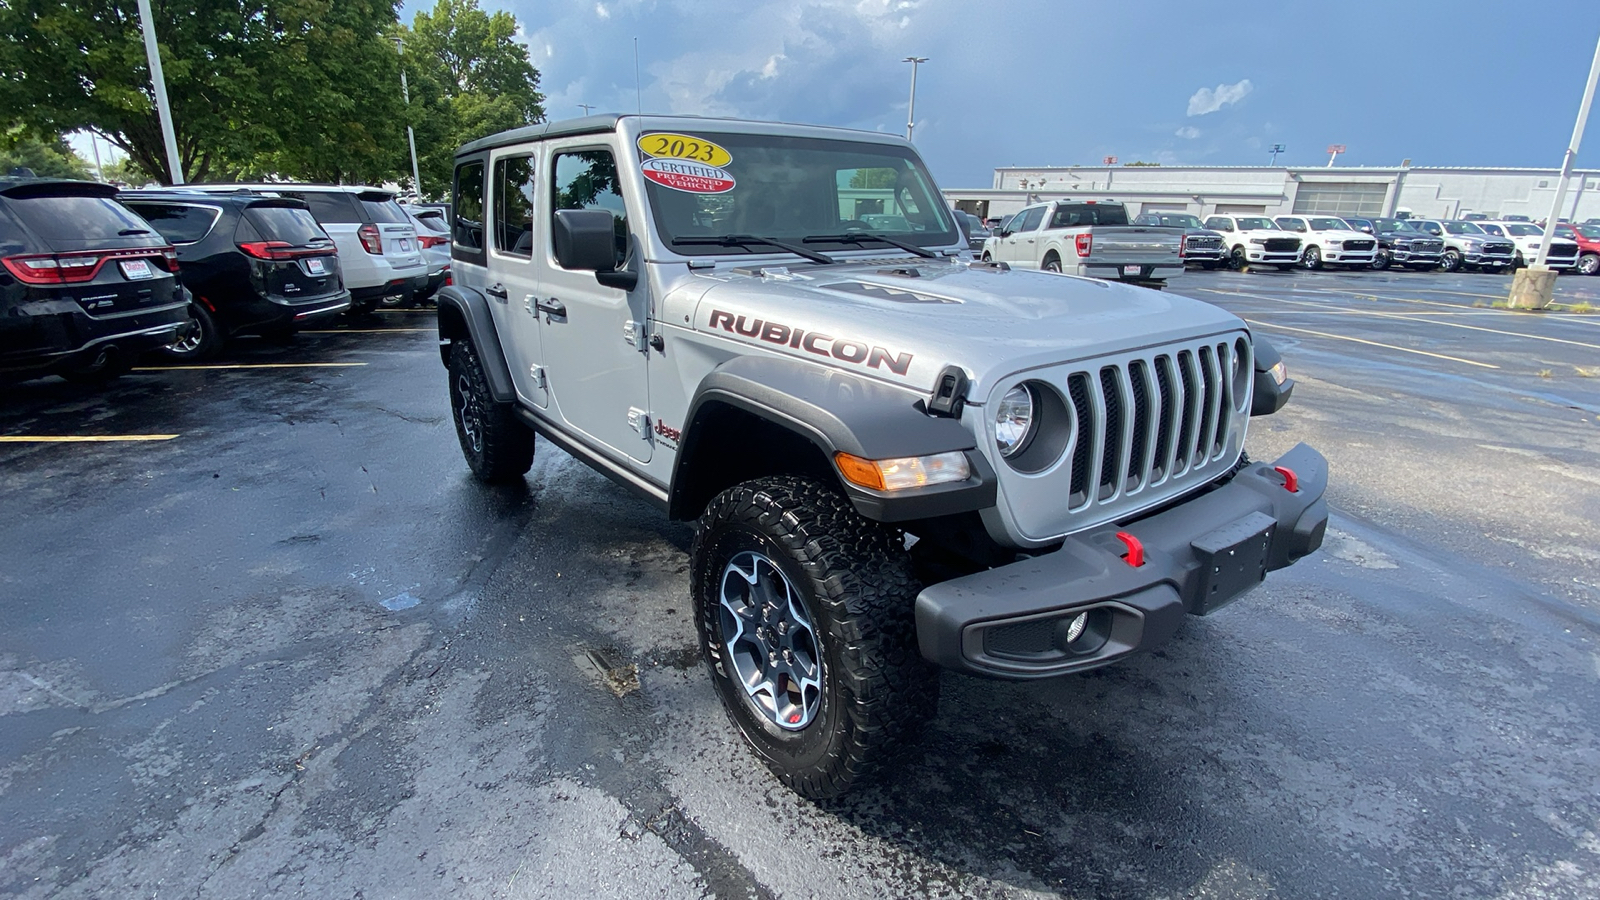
1521	230
1392	225
1428	228
1329	225
1255	223
1462	228
791	189
1170	220
179	223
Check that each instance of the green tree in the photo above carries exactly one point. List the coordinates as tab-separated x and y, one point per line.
469	77
874	178
298	87
47	159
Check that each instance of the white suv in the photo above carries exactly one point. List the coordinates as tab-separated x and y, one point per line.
1330	240
378	248
1526	235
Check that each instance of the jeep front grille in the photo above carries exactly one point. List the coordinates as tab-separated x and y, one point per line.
1145	427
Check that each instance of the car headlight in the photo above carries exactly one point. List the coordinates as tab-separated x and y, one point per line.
1013	420
1336	244
1258	240
1279	372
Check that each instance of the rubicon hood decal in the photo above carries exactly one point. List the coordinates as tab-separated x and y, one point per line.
842	349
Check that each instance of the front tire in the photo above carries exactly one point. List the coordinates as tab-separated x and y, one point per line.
1312	258
1450	261
1589	264
498	448
1382	260
1237	260
804	610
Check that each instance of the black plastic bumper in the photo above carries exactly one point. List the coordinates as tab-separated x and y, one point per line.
1021	621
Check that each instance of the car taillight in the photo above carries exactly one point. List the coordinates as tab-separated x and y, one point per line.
273	250
49	268
371	241
1183	246
427	240
169	259
1084	242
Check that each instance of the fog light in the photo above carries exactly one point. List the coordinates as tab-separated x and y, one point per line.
1076	626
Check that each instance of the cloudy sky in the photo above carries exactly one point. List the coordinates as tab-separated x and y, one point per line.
1056	82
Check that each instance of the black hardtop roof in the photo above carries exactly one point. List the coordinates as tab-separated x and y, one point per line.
24	188
241	199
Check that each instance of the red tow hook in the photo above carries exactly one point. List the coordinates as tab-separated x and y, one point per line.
1291	481
1135	555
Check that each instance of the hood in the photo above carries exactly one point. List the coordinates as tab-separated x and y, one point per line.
903	321
1338	234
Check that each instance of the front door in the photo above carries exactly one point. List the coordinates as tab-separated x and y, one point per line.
595	356
514	286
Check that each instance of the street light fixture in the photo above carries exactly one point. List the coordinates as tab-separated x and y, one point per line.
411	136
1333	153
585	107
1276	149
911	111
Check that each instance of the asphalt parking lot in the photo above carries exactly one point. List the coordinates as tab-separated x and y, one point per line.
264	636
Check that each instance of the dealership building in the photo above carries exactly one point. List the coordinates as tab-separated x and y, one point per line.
1260	190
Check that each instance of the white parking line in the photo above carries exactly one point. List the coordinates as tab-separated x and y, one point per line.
80	438
1343	337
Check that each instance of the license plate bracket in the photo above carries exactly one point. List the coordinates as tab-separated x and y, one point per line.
135	269
1233	559
1132	271
315	266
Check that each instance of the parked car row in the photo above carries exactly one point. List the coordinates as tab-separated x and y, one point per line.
92	277
1058	236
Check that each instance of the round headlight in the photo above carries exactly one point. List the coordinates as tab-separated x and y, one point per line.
1013	420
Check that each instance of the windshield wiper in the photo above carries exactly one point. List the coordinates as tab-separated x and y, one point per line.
856	237
746	240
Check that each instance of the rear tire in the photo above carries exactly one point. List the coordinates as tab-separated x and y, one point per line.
498	448
1052	263
204	341
804	610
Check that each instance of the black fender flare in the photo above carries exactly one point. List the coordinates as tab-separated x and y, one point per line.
1270	396
464	315
837	412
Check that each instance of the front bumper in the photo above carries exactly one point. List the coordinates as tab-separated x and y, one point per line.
1015	621
1256	254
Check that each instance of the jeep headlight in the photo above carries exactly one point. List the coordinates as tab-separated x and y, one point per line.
1013	420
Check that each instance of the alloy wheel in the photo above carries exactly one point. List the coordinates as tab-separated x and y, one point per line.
771	644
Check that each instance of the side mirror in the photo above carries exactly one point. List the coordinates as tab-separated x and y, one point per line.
585	240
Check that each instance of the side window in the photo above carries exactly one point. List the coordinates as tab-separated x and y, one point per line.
1492	229
513	205
328	207
587	179
467	231
1218	223
1032	218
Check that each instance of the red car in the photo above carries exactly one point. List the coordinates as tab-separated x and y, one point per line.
1588	238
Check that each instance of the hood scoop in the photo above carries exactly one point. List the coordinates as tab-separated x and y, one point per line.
886	292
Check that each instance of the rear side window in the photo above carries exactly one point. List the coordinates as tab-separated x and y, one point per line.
467	231
282	223
178	223
433	220
76	218
513	205
587	179
382	208
329	207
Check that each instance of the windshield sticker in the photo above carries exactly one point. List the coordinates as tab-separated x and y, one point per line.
682	146
689	177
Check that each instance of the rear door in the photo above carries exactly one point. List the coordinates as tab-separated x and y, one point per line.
395	229
297	261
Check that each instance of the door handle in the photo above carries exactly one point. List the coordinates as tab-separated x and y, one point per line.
552	306
498	291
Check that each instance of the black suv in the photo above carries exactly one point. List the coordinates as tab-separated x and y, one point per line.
86	285
254	264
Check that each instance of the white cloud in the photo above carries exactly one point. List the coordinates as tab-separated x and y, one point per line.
1206	100
601	11
1188	132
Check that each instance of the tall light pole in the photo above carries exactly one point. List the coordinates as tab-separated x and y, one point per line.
1276	149
1569	159
1333	153
411	136
911	111
585	107
159	82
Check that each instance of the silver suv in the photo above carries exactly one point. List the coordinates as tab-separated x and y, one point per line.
898	458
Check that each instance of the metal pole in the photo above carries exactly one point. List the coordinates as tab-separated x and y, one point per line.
585	107
94	144
911	110
638	86
1567	161
411	136
159	81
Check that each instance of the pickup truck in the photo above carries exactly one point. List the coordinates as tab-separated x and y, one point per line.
1086	237
1587	237
1527	237
1466	245
1200	244
1256	239
714	314
1330	240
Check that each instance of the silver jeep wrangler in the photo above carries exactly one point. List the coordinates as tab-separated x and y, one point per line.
899	458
